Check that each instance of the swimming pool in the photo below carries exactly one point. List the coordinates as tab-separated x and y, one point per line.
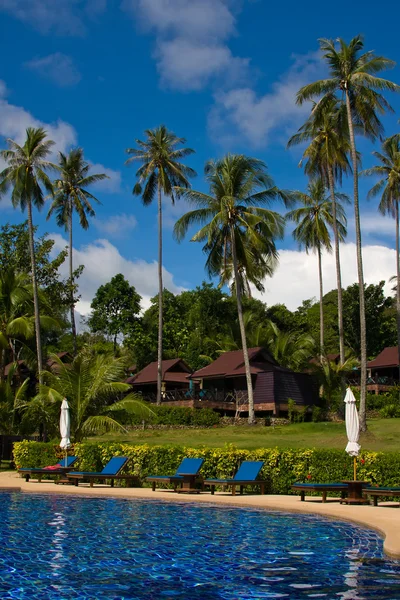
63	547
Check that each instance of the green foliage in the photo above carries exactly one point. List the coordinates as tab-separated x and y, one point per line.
190	417
281	469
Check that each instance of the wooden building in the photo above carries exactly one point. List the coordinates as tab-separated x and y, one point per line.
175	383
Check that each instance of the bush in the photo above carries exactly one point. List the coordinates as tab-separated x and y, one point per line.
190	417
281	468
390	411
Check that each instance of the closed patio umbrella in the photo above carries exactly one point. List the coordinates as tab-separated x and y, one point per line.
352	428
65	426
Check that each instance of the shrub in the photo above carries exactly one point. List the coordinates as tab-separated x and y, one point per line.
281	468
171	415
390	411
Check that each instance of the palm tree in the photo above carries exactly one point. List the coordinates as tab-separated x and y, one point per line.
326	156
353	74
160	172
70	194
290	349
26	173
236	229
11	398
389	187
314	219
92	385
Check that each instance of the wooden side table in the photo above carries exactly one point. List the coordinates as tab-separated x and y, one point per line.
355	492
188	483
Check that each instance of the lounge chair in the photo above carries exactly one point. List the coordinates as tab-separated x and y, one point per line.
246	475
324	488
376	492
186	476
110	472
59	469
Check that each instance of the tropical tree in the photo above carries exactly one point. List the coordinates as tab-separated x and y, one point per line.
290	349
11	398
26	174
388	187
353	73
161	170
93	388
236	226
70	194
314	219
326	156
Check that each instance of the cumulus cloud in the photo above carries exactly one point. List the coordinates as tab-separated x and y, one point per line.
296	278
112	185
62	17
116	225
58	68
102	260
191	38
241	113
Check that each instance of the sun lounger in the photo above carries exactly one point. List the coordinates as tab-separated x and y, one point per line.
322	488
59	469
186	476
110	472
246	475
376	492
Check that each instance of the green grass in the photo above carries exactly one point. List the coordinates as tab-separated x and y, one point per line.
383	434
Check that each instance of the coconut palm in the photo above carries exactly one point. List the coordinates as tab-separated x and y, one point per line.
11	398
388	187
70	194
160	171
93	388
290	349
236	228
353	74
26	174
326	156
314	220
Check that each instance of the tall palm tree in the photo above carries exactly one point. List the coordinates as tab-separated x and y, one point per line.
353	74
326	130
236	227
160	172
26	174
389	189
314	219
70	194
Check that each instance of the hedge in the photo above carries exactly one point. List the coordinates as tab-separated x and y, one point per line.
282	466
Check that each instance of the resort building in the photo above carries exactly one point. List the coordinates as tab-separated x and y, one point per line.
175	385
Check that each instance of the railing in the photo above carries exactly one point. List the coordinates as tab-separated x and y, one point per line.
236	397
381	380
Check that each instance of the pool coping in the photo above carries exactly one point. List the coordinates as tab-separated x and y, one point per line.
384	519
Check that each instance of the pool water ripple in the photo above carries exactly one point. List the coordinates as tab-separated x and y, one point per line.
62	547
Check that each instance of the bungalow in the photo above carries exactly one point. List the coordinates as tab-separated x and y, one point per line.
223	384
175	384
383	371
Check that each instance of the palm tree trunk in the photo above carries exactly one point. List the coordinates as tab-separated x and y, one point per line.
398	281
242	329
363	333
338	267
35	294
71	281
321	306
160	298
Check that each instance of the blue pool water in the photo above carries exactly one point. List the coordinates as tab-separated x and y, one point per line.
61	548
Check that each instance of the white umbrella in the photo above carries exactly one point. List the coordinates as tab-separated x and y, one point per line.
65	426
352	427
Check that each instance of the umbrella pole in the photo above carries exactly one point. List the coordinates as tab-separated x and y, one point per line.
355	469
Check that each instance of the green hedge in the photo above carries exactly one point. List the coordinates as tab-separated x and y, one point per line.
281	469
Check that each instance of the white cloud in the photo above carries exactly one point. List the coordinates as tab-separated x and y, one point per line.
296	278
116	225
58	68
191	40
63	17
102	261
241	113
111	185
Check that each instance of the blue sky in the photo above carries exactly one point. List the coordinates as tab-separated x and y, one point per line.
222	73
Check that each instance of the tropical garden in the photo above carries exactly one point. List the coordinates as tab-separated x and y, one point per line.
238	222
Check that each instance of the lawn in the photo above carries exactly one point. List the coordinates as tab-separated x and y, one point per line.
383	434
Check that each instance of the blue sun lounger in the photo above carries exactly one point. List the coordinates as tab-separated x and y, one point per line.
247	474
186	476
59	469
322	488
110	472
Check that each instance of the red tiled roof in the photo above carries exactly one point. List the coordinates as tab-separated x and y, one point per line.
149	373
231	364
387	358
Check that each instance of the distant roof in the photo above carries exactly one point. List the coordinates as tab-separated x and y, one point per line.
387	358
330	357
174	370
231	364
22	364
